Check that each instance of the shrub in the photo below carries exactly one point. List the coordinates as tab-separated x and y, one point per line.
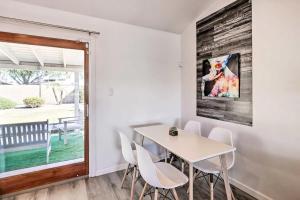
6	103
33	102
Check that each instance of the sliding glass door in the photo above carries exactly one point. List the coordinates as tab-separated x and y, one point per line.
43	110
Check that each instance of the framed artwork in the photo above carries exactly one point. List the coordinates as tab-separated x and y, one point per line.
221	77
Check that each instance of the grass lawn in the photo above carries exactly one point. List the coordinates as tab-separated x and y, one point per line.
35	157
46	112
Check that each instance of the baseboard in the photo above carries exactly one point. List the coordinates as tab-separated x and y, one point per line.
111	169
258	195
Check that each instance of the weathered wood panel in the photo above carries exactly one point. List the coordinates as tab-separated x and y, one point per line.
227	31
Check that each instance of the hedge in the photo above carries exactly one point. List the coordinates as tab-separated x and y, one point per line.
6	103
33	102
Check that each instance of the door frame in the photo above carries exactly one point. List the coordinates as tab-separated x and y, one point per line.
47	176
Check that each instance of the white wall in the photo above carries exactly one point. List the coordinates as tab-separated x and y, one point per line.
268	158
139	64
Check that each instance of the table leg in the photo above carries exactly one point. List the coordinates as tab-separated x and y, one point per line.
225	174
65	138
191	181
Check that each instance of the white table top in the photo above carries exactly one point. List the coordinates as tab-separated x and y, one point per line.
189	147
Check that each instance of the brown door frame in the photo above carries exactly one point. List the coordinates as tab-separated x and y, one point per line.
33	179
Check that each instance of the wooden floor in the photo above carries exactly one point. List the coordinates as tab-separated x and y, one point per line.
107	187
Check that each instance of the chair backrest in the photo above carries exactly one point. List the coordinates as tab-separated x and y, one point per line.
23	134
147	168
193	127
225	136
127	149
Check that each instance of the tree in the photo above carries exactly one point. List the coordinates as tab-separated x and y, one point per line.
58	92
26	77
3	77
57	88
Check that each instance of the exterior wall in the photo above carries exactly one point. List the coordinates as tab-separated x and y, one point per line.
17	93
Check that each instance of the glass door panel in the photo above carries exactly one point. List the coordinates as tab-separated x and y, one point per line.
43	121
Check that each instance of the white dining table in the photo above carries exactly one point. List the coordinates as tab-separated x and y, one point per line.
190	147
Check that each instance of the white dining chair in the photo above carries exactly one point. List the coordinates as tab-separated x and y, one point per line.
212	166
130	156
160	175
193	127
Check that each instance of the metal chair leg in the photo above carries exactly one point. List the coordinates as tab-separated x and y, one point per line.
211	181
182	166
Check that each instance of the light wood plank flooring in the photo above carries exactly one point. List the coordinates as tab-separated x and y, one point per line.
107	187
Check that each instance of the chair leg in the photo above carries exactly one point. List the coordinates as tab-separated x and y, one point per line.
182	166
125	174
59	135
65	137
143	192
211	180
156	194
232	195
175	194
133	183
172	159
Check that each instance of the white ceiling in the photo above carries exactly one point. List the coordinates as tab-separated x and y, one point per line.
167	15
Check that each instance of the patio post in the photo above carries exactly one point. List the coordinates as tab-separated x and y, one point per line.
40	86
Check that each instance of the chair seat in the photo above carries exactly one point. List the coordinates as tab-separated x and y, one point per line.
210	166
169	176
154	157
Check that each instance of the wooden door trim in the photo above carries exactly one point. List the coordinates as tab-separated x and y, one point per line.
41	41
47	176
